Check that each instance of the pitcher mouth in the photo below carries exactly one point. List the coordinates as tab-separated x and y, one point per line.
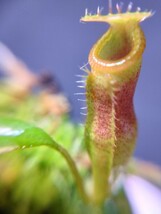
123	44
118	49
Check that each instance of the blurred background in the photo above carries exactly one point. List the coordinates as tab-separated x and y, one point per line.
47	35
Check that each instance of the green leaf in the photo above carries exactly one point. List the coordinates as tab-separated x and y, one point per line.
16	134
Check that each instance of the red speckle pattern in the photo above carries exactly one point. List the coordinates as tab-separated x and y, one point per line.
101	101
102	118
124	111
113	119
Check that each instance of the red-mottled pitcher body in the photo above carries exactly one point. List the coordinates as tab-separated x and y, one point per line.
111	126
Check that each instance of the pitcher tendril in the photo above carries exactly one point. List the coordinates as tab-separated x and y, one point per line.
115	61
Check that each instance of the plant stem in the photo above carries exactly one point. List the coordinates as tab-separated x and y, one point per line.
101	167
74	170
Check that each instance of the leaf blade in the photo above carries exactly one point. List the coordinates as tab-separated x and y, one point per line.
19	135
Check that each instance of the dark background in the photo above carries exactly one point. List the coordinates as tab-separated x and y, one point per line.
47	34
